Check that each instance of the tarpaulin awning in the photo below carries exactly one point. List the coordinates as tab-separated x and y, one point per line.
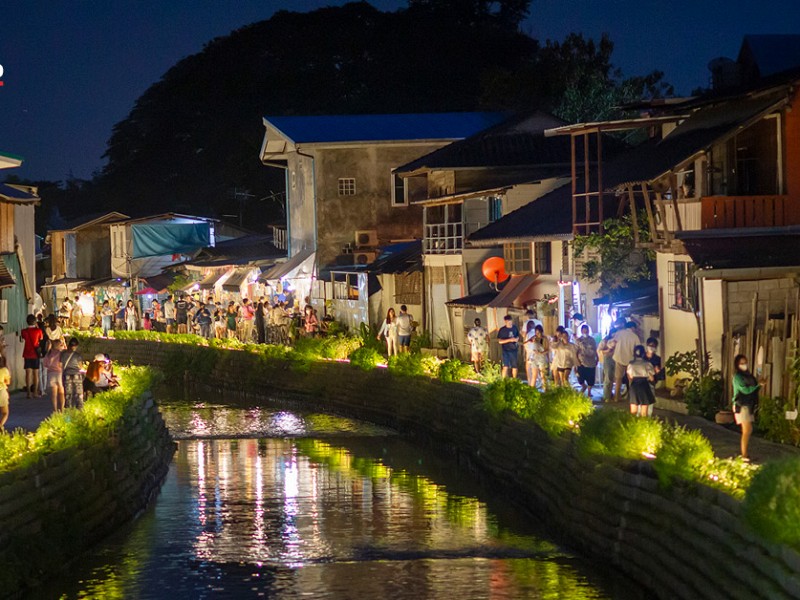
208	282
299	265
235	281
159	239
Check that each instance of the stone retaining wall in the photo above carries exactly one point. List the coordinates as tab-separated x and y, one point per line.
689	541
55	509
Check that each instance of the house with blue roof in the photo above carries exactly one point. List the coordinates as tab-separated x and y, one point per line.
17	265
343	201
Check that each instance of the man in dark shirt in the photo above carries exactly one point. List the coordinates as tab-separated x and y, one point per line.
203	319
182	314
508	337
655	360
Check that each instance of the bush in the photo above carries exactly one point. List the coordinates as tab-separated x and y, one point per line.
510	394
684	453
772	502
454	370
731	475
561	409
773	424
406	365
704	395
618	433
366	358
490	372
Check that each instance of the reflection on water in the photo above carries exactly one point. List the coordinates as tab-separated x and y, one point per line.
288	518
205	420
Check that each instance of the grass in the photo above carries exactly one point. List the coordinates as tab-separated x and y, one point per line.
619	433
772	503
561	409
684	453
366	358
76	428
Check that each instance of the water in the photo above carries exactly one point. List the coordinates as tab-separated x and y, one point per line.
324	508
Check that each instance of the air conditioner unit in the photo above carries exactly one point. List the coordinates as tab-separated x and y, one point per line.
366	238
3	311
364	258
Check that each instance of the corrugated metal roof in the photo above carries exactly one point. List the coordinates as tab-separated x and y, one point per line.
383	127
547	217
744	248
6	277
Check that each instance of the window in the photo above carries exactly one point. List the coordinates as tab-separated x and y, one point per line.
543	262
518	258
748	164
347	186
681	294
399	190
495	209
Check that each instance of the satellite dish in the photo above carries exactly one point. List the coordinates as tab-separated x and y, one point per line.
494	269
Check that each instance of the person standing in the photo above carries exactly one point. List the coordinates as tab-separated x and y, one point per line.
182	314
478	338
508	338
119	316
106	315
624	341
53	332
31	337
587	360
71	363
77	314
655	360
159	324
131	316
530	317
260	322
539	347
405	326
55	383
310	321
745	398
248	316
640	375
230	319
389	332
565	358
169	314
5	382
203	319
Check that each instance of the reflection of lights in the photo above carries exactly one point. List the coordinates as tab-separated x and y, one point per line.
286	423
201	483
290	533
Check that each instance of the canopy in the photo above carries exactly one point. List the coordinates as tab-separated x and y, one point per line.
299	265
235	281
159	239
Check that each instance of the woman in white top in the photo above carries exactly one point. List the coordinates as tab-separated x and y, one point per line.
565	358
53	331
537	352
640	374
389	332
131	316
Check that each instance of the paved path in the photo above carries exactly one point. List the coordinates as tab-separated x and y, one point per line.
27	413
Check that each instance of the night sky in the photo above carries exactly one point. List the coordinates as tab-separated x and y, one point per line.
74	69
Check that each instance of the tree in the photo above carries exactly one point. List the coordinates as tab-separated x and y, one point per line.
611	258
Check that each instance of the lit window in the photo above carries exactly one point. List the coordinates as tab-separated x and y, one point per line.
347	186
518	258
681	292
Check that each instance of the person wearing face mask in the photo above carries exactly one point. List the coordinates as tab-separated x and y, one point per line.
745	397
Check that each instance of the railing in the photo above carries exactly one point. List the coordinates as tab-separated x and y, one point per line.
447	238
279	237
688	211
727	212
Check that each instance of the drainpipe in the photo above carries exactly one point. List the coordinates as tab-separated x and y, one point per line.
701	324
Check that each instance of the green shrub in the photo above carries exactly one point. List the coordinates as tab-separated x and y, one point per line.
490	372
704	395
421	340
773	424
430	365
772	502
366	358
561	409
732	475
406	364
369	338
454	370
684	453
510	394
618	433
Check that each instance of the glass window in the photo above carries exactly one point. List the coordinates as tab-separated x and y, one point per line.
495	209
399	191
681	293
542	256
518	258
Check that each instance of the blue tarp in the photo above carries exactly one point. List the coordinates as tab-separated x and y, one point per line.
159	239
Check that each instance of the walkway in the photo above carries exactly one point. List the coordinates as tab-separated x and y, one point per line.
27	413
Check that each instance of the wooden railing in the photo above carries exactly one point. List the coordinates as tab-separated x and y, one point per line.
727	212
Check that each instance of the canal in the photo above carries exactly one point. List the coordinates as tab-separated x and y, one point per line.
268	503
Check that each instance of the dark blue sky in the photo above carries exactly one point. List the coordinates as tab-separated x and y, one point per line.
74	68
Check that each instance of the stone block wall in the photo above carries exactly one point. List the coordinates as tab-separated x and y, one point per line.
771	292
689	541
55	509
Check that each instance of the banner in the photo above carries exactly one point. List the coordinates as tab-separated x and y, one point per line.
158	239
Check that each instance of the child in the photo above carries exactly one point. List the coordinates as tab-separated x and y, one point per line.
147	323
5	381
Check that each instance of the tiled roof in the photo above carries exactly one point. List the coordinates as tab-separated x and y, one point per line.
391	127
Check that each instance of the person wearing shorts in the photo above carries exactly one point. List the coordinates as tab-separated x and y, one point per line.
745	397
587	360
182	314
169	314
405	325
479	345
508	338
5	381
55	376
32	338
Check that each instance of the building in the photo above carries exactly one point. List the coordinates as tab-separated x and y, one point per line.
343	201
471	184
719	181
17	264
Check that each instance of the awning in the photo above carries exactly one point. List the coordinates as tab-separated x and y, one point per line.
299	265
718	250
235	281
161	282
519	291
473	301
207	283
66	281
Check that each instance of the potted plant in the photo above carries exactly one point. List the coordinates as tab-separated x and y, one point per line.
703	393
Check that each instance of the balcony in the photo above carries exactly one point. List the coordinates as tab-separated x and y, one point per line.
728	212
447	238
687	209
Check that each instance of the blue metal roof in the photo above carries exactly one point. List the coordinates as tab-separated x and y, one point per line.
397	127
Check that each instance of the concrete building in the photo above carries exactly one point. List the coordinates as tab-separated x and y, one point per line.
342	200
